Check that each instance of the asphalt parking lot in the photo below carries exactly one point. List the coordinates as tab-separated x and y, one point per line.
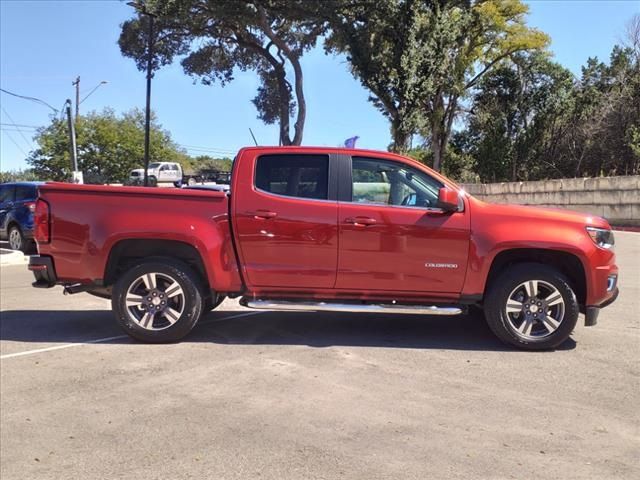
316	396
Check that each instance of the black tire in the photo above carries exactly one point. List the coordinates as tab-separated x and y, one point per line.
185	311
16	239
502	323
152	181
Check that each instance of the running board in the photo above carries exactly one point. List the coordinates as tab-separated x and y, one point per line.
348	307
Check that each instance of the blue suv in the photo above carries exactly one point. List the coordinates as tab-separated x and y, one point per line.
17	205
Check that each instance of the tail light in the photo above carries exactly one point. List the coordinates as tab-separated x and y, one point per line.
41	221
31	206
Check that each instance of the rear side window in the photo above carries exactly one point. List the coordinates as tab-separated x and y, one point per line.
6	193
25	192
294	175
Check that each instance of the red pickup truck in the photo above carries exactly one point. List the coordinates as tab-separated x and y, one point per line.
324	229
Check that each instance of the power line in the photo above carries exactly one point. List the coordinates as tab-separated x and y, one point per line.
208	148
13	129
33	99
28	142
20	125
16	144
216	151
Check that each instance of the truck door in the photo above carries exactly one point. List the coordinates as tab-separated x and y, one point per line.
393	236
285	220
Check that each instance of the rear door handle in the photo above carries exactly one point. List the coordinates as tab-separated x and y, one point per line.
360	221
266	214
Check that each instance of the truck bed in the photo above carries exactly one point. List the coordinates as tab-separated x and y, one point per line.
197	218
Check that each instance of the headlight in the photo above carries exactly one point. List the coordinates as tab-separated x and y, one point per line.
601	237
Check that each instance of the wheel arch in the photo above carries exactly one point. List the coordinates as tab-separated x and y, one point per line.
126	252
12	222
567	263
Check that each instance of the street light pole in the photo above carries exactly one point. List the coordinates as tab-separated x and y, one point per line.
103	82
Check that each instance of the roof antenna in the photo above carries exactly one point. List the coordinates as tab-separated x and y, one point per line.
253	136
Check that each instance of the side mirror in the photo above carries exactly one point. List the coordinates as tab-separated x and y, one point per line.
448	200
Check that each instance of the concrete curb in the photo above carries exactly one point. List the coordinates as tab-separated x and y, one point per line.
12	257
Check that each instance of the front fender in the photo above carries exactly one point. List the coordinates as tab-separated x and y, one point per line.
499	228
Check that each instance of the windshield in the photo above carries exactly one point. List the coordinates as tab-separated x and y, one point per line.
154	165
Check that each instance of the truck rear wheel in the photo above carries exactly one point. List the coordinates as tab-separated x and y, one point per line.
158	300
531	306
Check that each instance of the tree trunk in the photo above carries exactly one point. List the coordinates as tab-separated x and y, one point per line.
284	106
436	145
297	69
302	104
400	136
437	155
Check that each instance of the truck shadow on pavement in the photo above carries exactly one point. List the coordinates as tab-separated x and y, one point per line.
465	332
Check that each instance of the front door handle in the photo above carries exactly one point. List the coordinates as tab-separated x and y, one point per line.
360	221
265	214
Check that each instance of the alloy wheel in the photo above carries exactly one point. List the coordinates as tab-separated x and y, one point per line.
535	309
155	301
15	239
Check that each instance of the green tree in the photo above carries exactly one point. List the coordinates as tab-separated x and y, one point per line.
420	58
109	146
207	162
605	117
18	176
215	38
382	43
532	120
519	111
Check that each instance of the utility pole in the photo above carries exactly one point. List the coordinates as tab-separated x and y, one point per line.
141	8
77	85
147	120
77	175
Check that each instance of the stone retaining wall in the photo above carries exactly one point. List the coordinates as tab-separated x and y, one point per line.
615	198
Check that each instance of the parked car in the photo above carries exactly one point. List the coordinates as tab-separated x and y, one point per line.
324	229
17	205
158	172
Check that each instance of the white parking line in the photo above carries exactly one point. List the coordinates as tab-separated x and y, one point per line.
106	339
60	347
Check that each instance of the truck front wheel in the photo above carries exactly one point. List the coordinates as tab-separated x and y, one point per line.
531	306
158	300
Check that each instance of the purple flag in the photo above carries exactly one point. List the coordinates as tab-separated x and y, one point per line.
351	142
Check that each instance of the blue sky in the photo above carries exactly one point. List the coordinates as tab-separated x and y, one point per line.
44	45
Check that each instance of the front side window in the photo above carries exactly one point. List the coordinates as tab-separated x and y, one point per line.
385	182
294	175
